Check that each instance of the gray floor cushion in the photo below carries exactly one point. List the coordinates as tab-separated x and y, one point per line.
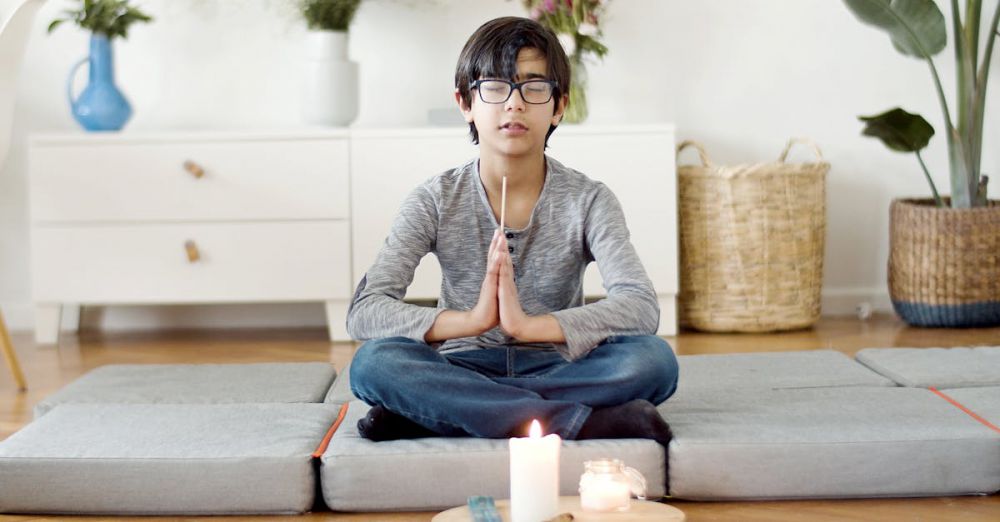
436	473
827	443
982	403
196	383
161	459
936	367
777	370
340	392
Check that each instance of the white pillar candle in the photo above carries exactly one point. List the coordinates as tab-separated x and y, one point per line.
534	476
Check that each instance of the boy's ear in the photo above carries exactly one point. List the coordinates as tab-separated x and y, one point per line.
558	115
466	111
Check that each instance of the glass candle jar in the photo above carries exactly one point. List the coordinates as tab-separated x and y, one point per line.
608	485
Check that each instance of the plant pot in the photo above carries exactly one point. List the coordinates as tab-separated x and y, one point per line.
330	80
944	264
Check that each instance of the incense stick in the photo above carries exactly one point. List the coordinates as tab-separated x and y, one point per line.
503	203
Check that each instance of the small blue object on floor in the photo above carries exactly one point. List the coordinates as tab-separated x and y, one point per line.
483	509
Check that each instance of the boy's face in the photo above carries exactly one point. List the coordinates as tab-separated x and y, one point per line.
514	127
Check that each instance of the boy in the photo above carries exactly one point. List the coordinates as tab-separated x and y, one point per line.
512	339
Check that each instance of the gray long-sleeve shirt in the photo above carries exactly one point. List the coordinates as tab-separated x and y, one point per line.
576	220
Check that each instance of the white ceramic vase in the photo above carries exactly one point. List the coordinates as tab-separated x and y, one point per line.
329	80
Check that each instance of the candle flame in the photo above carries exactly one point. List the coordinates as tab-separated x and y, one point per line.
535	431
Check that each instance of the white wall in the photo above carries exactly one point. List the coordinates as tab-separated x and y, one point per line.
741	76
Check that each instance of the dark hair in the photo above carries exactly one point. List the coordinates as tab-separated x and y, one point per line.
492	52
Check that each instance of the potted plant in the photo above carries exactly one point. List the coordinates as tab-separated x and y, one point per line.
101	106
578	26
944	267
330	83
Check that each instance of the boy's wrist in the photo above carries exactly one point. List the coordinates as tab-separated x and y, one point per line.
476	324
538	328
523	328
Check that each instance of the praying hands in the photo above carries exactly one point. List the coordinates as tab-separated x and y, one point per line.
498	302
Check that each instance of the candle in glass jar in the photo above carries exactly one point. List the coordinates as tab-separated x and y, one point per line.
534	476
607	485
604	495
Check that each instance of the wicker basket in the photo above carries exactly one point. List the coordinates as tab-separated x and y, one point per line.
751	239
944	264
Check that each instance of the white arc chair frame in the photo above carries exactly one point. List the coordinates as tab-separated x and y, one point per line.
14	35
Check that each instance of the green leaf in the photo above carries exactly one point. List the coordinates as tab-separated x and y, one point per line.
916	27
899	130
54	24
108	17
330	15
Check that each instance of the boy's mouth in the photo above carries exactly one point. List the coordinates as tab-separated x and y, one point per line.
514	126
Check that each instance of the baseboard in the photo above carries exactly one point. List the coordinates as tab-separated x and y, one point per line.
20	317
855	301
155	317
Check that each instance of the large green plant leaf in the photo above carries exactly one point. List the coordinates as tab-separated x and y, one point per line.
916	27
899	130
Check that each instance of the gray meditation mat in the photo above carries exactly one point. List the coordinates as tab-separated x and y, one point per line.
983	403
436	473
196	384
826	443
936	367
341	392
775	370
158	459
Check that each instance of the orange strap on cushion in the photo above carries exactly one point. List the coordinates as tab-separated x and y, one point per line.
329	433
971	413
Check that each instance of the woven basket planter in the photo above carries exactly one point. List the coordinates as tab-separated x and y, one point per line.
944	264
751	241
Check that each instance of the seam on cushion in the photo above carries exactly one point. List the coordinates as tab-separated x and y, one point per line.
822	443
242	458
968	412
329	433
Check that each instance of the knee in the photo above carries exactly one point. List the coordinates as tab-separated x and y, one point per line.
377	356
653	365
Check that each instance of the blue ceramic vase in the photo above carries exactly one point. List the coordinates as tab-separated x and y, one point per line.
101	106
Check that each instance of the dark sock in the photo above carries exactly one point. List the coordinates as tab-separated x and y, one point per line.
636	419
381	424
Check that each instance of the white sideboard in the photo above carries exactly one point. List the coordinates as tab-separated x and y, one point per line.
238	217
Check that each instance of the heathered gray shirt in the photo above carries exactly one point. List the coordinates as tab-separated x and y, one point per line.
575	221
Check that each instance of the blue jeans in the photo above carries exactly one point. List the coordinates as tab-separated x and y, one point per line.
496	392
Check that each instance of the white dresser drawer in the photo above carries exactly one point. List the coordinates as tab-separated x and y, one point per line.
147	180
295	261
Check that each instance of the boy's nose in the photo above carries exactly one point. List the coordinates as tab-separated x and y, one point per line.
515	102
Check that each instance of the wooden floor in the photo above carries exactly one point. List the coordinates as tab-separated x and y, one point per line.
49	368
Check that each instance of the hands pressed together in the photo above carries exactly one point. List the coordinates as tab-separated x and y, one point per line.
498	302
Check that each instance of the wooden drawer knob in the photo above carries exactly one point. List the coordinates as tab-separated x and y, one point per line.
194	169
192	251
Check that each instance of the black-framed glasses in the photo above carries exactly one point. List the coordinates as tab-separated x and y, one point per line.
535	92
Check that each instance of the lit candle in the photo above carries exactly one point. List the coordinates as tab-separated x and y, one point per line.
605	495
534	476
607	485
